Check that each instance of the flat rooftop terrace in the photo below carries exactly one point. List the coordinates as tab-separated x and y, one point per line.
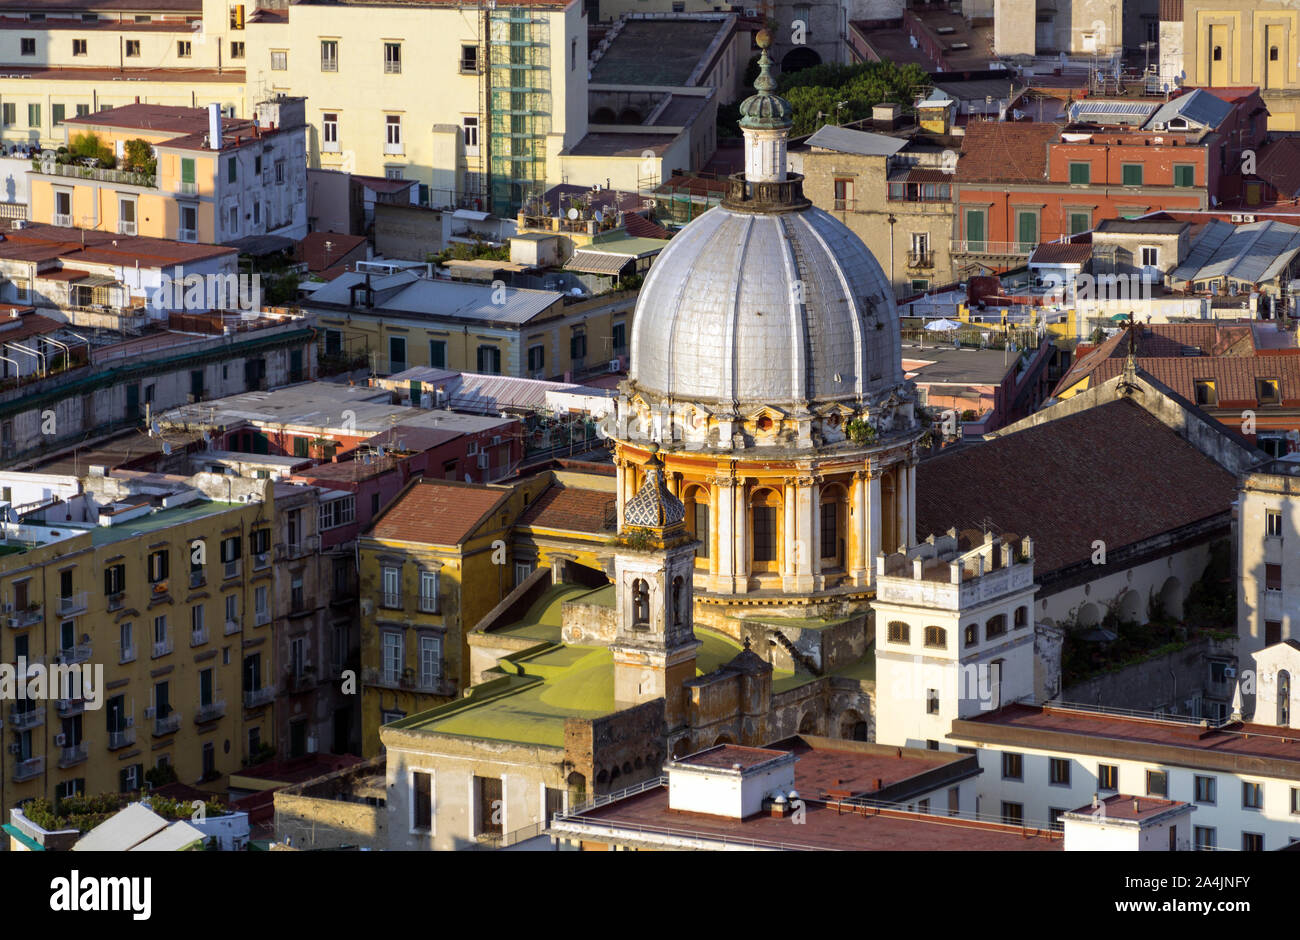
655	52
945	365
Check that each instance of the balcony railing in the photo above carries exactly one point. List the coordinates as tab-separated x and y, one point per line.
125	228
63	219
199	637
120	739
115	601
127	655
210	712
75	754
187	188
259	697
392	600
232	626
187	235
261	618
74	171
22	720
920	259
68	707
26	618
971	246
196	579
230	569
72	604
429	604
74	654
162	648
166	725
288	550
27	769
261	560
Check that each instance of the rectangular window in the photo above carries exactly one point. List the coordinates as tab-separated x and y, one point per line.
1205	392
1252	841
438	353
329	55
1184	175
29	45
279	61
489	360
1108	777
33	115
1059	771
9	114
392	58
1272	577
337	512
430	661
393	133
236	50
1158	783
844	194
536	360
392	657
468	59
183	49
78	47
1013	766
1080	173
1205	789
1252	795
1204	838
429	592
1013	814
392	582
421	801
470	127
329	131
158	566
1150	257
491	805
932	701
232	169
1131	174
1266	390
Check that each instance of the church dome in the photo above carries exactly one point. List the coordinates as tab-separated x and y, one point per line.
781	307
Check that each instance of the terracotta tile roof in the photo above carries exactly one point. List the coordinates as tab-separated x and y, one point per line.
572	508
1229	358
437	512
1002	152
1112	472
51	242
638	226
311	249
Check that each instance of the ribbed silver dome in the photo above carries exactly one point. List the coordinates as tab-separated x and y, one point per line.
765	307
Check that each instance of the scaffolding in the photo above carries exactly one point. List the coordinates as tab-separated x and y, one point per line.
518	79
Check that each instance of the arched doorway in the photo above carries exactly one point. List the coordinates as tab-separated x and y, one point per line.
799	58
603	116
889	512
1171	598
629	116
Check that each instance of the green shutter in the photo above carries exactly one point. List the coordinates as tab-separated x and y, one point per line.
1080	173
57	112
1184	175
1027	229
1132	174
975	227
187	169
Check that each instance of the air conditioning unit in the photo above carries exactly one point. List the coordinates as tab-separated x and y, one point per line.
130	721
60	740
1248	219
1236	217
614	365
150	712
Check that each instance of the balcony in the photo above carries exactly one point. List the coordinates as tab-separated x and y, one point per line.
68	707
162	648
27	769
22	720
407	681
965	246
199	637
74	654
286	551
71	756
232	626
920	259
261	618
125	177
168	725
187	235
63	219
187	188
259	697
120	739
72	604
261	560
127	655
196	579
27	618
210	712
115	601
230	569
126	228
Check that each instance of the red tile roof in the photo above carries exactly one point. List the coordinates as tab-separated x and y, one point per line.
638	226
1005	152
1061	253
311	249
1229	358
437	512
38	242
572	508
1112	472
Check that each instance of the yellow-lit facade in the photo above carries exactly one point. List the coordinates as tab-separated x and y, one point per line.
177	640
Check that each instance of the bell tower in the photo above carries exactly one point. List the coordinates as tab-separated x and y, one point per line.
654	646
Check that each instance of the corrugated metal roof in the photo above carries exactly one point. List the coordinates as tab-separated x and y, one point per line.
405	292
1112	112
597	262
863	143
1253	253
1198	107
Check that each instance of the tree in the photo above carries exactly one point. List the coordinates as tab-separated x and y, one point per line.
138	157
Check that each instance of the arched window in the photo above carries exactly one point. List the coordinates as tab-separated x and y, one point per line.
936	638
696	500
996	626
1218	53
1022	617
899	632
1284	699
1272	53
972	634
640	605
679	601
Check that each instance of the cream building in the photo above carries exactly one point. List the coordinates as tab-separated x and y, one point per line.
1268	586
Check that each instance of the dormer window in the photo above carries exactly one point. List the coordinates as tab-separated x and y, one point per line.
1266	390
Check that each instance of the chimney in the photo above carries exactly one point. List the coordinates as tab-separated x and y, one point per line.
214	125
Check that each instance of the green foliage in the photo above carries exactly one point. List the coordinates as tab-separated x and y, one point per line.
138	157
84	813
859	431
90	146
264	753
479	250
860	87
638	539
160	775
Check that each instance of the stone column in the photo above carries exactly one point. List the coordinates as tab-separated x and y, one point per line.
815	539
724	565
620	489
740	579
858	523
904	507
911	504
873	524
789	534
714	522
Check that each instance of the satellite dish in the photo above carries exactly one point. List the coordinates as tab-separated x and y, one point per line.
154	428
598	216
573	213
167	449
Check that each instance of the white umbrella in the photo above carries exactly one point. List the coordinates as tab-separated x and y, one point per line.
942	326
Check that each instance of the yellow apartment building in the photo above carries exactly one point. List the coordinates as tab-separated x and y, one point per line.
433	564
74	60
210	179
156	584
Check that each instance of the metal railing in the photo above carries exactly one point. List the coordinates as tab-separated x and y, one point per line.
392	600
67	707
259	697
63	220
27	769
232	626
95	173
261	618
22	720
120	739
27	618
973	246
74	654
187	188
167	725
199	637
73	603
210	712
162	648
75	754
127	655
